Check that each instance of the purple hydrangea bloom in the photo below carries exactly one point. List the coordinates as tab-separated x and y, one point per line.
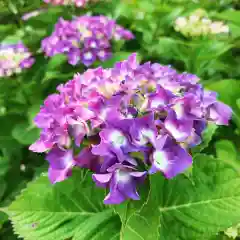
60	164
132	120
85	39
169	157
14	58
122	181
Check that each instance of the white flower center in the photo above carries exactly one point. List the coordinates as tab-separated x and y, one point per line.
145	135
101	54
93	45
88	56
118	139
181	21
178	134
161	161
67	160
157	103
122	176
179	110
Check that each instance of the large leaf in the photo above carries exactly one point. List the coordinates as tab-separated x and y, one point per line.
144	222
186	210
226	152
130	213
200	209
68	209
230	15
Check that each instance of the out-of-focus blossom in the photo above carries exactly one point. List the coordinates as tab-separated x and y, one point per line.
32	14
14	58
117	114
198	24
85	39
77	3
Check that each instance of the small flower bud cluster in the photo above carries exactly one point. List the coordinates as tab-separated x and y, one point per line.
130	121
77	3
85	39
197	24
14	58
32	14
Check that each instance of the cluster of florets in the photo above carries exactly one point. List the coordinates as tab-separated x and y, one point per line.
77	3
198	24
129	121
84	39
14	58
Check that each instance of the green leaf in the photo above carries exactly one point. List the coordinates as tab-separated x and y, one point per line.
230	15
72	208
32	112
168	47
56	61
6	30
2	188
57	75
226	152
128	208
4	165
117	57
3	218
226	149
197	211
212	49
206	138
25	133
144	222
100	226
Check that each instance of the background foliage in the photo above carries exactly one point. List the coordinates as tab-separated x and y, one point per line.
201	204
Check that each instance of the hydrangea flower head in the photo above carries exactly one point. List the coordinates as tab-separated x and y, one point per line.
133	120
77	3
85	39
198	24
14	58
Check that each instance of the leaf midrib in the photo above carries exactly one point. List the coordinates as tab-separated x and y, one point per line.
190	204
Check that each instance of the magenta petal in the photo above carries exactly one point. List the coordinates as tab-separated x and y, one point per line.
129	190
60	159
103	178
180	164
220	113
138	174
56	175
114	197
39	146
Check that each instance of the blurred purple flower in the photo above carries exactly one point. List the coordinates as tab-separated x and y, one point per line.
77	3
14	58
85	39
32	14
